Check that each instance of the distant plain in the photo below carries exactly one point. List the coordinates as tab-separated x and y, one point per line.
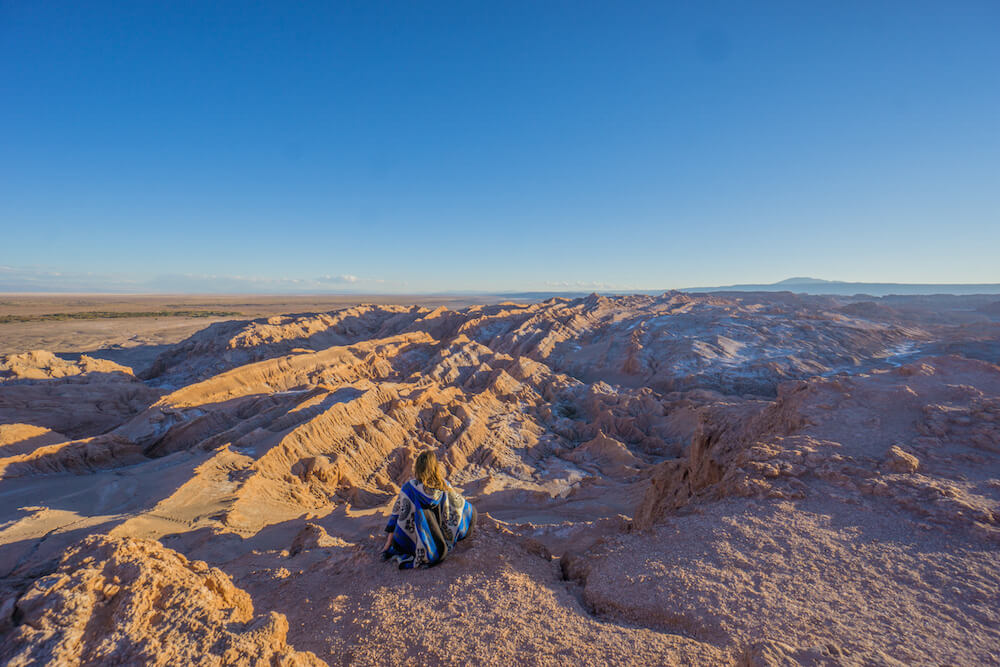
135	341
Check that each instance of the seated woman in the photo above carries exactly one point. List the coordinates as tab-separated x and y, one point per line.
428	519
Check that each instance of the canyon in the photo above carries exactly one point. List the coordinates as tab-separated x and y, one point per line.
753	479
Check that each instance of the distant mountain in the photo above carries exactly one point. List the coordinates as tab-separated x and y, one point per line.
803	280
838	287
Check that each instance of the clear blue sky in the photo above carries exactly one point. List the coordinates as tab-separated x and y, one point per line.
502	145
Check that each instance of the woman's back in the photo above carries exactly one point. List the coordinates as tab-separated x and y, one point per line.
428	518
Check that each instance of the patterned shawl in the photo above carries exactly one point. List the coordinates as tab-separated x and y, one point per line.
413	540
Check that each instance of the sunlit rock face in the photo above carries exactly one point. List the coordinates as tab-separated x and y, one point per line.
682	478
129	601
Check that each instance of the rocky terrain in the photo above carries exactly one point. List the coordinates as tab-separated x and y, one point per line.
754	479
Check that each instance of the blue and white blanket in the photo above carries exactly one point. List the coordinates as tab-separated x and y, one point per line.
413	531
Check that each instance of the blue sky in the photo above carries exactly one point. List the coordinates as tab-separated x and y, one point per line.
408	147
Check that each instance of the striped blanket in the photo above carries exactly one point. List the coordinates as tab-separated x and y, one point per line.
426	524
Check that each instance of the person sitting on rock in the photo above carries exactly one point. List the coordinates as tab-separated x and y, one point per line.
428	518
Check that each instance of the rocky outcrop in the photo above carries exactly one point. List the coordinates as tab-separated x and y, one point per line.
22	438
128	601
227	345
313	536
899	460
75	456
83	398
43	365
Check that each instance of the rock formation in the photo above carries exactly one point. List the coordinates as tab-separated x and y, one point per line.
128	601
743	479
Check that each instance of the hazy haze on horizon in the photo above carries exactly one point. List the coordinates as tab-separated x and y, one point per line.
564	146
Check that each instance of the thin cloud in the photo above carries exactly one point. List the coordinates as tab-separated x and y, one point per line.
345	278
584	285
33	279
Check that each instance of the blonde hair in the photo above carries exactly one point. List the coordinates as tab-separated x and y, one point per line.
428	472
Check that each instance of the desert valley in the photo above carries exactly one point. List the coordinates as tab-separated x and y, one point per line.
721	478
499	334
